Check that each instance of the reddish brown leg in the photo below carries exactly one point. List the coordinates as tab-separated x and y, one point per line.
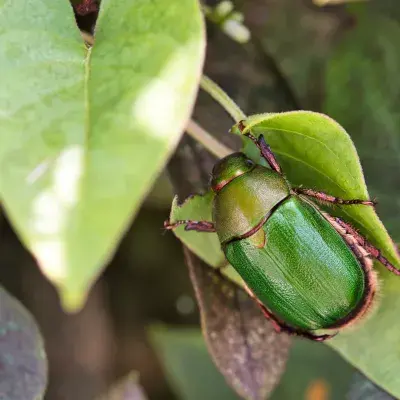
199	226
280	326
372	250
264	148
331	199
86	7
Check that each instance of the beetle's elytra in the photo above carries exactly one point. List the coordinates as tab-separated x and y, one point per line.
311	273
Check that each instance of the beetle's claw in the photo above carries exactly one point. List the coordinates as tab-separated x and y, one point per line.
168	225
371	203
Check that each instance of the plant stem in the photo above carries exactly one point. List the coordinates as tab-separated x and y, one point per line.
222	98
209	142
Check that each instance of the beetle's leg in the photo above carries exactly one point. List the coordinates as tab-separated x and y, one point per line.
264	148
199	226
86	7
280	326
327	198
363	242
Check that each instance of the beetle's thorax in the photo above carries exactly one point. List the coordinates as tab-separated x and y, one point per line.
246	194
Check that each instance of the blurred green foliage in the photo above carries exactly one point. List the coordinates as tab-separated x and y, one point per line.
313	369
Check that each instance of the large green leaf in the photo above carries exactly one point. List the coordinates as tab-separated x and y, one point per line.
316	152
362	92
23	363
84	133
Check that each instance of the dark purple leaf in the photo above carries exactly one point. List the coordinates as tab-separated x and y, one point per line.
23	363
243	344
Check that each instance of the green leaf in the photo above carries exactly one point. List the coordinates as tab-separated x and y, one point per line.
316	152
84	133
363	94
23	363
204	245
198	208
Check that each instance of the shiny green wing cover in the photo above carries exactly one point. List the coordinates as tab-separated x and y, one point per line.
305	274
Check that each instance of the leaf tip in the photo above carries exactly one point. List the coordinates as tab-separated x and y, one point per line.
72	299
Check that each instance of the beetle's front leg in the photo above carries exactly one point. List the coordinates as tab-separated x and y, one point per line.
198	226
327	198
264	148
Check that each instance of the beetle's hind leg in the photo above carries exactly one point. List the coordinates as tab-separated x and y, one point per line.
264	148
327	198
363	242
198	226
281	327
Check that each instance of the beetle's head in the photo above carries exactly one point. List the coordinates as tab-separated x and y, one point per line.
229	168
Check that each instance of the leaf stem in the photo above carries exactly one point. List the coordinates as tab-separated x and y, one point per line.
222	98
208	141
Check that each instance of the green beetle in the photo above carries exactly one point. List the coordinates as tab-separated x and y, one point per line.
310	273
